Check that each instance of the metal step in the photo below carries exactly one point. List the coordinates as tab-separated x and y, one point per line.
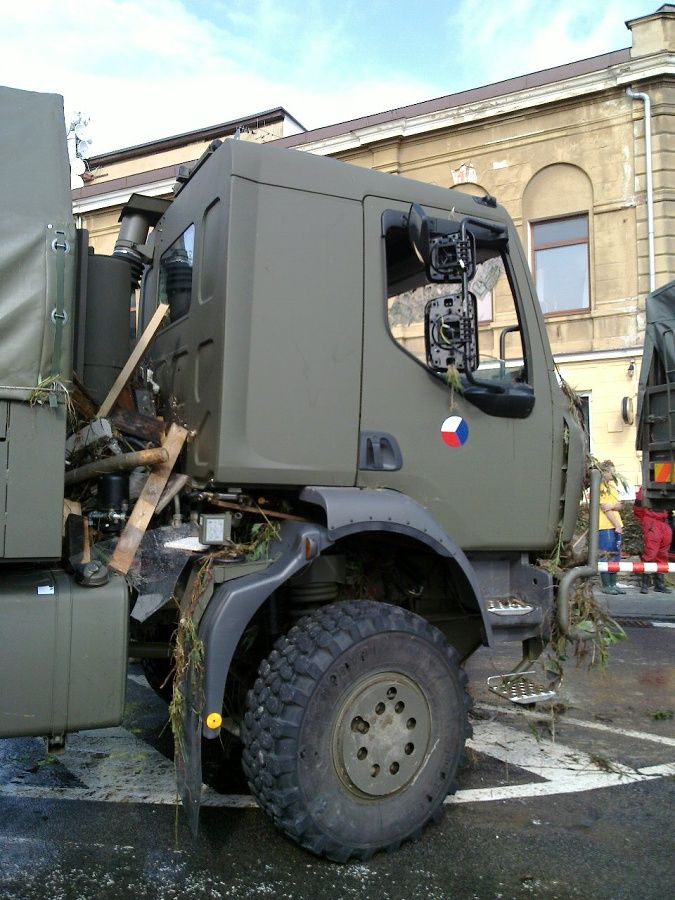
507	606
519	687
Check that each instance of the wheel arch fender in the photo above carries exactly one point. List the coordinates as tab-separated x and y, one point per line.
235	602
348	511
351	511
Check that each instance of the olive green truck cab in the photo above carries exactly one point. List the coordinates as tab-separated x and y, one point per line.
362	366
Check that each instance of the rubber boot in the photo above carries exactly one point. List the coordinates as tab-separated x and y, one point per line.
607	587
644	584
617	589
660	586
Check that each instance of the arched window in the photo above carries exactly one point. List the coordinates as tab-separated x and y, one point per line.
557	203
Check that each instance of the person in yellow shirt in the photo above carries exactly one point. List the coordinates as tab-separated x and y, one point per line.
610	526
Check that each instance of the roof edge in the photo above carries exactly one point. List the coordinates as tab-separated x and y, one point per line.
667	9
198	135
448	101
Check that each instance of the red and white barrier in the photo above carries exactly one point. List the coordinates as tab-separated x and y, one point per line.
637	568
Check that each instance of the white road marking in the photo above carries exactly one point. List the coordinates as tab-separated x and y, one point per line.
663	624
581	723
115	766
546	788
565	769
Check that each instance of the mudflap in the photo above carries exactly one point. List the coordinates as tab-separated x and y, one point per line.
186	722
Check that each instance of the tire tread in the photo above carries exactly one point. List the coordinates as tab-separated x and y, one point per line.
303	655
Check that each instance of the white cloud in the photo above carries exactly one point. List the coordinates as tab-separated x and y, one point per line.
523	36
143	69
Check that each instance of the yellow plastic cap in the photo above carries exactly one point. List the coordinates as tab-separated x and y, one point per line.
214	720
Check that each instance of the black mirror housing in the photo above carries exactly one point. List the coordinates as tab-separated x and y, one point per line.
451	333
515	401
419	233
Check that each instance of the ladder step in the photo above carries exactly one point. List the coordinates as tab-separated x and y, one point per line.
519	687
507	606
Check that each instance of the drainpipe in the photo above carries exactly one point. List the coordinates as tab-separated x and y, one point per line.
635	95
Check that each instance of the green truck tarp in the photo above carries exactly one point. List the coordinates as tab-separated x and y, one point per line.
656	400
36	228
658	357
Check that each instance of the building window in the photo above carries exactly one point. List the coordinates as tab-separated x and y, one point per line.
560	251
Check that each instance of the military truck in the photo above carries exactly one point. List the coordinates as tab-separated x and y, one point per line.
379	451
656	401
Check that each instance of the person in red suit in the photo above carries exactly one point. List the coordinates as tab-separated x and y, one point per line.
656	537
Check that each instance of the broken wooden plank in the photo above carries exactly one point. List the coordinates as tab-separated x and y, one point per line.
146	428
134	359
86	544
83	405
146	504
125	399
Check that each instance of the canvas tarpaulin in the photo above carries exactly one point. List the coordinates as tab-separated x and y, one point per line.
37	237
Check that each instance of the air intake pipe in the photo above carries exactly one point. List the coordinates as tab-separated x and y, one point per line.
136	219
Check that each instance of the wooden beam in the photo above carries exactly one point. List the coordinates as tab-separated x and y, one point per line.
123	462
258	511
134	359
148	428
145	506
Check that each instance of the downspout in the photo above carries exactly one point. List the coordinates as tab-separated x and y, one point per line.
636	95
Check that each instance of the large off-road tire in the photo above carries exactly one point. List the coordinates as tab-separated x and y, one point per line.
355	728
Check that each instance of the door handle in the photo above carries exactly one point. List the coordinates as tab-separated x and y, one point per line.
379	451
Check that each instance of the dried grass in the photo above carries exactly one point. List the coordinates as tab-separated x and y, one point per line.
454	383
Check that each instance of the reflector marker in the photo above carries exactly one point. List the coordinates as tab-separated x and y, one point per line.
663	473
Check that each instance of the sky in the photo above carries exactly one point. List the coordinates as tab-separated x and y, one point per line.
140	71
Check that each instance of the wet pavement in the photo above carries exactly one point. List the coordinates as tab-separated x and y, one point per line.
573	799
651	605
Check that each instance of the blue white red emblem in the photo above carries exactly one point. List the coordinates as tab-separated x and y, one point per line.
455	431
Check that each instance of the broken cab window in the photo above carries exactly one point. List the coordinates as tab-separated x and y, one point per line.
497	354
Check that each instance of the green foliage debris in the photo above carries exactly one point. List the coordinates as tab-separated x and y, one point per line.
454	382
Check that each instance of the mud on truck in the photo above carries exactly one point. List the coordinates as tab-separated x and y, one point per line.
358	449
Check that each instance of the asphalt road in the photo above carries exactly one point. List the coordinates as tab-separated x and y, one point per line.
570	804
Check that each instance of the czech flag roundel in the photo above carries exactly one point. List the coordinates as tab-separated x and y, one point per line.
455	431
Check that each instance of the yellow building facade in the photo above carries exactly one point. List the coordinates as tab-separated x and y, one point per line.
566	151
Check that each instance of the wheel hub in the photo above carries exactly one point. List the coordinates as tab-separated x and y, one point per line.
381	735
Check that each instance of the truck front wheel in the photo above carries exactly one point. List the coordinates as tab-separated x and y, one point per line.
355	728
